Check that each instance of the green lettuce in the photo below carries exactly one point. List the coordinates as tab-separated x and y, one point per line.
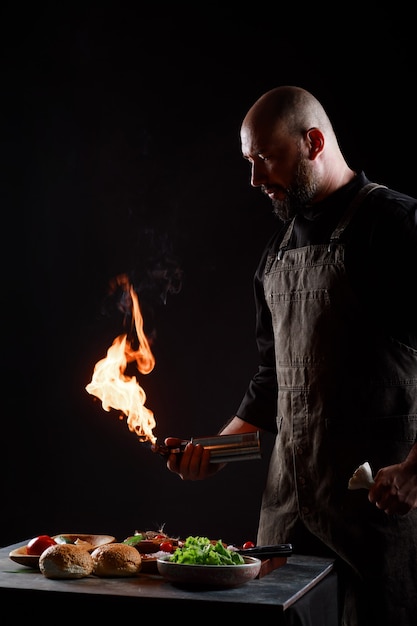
202	551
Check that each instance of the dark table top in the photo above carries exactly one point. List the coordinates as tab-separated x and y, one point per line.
274	593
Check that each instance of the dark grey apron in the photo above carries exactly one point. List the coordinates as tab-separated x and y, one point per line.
347	394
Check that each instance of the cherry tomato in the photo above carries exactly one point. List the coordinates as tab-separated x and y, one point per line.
166	546
38	544
248	544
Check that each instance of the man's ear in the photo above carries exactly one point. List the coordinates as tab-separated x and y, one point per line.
315	140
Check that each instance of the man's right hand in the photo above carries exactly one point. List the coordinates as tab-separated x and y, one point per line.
193	463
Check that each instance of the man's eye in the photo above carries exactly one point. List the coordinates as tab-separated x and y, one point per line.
262	157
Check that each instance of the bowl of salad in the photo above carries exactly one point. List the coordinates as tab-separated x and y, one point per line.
201	562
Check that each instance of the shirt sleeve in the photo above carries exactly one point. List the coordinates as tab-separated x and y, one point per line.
259	404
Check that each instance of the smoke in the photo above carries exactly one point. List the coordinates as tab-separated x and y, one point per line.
155	274
159	273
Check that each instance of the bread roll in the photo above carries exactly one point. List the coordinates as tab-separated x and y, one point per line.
66	561
116	559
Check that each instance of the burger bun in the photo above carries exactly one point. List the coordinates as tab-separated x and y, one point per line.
66	561
116	560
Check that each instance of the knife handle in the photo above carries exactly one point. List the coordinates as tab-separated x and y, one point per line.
280	549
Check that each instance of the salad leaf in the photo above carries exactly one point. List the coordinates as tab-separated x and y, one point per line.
202	551
133	540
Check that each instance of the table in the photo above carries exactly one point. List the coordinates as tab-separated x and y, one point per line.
303	591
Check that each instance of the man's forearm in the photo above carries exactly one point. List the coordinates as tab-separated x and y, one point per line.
236	426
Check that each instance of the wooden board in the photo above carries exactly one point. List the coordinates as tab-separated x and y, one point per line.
269	565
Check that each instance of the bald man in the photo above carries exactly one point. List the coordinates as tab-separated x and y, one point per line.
336	330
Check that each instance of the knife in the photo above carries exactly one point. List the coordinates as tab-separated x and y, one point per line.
268	552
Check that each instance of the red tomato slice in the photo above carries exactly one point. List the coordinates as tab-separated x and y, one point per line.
248	544
37	545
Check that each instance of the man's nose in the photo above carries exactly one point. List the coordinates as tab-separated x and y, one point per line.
258	175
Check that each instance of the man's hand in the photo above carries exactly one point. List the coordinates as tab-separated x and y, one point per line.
395	487
193	463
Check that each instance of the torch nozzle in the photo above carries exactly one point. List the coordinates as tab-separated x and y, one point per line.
223	448
164	450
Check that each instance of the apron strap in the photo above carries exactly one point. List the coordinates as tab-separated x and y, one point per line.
335	236
286	239
360	196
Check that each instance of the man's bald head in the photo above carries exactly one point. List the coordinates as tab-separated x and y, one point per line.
295	157
295	108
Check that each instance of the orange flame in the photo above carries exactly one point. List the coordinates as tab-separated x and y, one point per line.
118	391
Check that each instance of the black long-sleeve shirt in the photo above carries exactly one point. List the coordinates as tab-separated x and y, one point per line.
381	260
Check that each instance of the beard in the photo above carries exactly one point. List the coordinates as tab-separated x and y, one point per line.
299	194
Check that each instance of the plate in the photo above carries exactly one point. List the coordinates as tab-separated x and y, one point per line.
209	576
92	541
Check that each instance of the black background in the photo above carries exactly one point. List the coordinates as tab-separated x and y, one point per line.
121	155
